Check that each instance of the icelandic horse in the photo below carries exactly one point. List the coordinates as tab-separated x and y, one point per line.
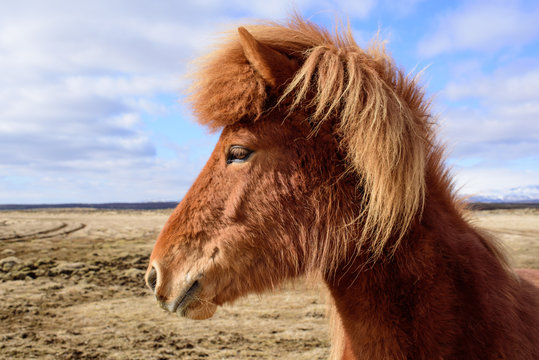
327	164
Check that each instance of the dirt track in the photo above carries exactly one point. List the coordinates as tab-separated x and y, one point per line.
72	287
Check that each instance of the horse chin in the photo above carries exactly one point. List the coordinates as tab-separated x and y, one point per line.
199	311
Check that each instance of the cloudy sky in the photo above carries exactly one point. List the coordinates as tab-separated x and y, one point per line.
91	92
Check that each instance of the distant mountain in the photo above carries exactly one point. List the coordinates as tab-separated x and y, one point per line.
513	197
157	205
521	194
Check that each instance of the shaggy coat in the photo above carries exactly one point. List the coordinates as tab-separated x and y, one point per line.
327	165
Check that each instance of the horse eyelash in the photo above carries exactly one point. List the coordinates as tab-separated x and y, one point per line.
230	154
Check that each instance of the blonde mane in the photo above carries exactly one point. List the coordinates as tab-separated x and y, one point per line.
379	114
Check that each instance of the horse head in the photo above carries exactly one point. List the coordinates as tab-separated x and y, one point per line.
315	162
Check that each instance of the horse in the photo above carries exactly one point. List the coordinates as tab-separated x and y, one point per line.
327	165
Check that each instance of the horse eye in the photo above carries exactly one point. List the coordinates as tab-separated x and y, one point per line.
238	154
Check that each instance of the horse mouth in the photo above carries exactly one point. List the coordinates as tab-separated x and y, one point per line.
181	303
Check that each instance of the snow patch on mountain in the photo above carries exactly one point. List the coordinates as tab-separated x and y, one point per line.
528	193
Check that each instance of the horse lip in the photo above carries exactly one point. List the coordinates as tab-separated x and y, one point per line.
182	301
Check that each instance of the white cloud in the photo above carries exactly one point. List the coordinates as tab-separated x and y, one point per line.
357	8
492	108
79	80
490	138
109	86
75	80
479	180
492	127
404	7
481	26
126	180
500	87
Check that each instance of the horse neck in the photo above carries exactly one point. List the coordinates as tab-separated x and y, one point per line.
394	308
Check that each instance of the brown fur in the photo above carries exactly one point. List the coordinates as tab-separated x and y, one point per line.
345	182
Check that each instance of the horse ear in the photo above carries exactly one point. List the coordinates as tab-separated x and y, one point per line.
274	67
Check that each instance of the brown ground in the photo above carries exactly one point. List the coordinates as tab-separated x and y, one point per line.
71	286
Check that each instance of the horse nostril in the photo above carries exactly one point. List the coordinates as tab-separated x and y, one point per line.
151	279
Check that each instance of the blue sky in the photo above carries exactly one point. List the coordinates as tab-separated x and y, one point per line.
91	92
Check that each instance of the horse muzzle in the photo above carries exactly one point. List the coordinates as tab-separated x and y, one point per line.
186	302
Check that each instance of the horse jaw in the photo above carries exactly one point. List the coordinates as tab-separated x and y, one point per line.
202	311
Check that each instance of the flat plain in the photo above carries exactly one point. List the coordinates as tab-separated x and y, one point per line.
71	284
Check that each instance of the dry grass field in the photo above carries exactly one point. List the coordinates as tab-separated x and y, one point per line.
71	284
